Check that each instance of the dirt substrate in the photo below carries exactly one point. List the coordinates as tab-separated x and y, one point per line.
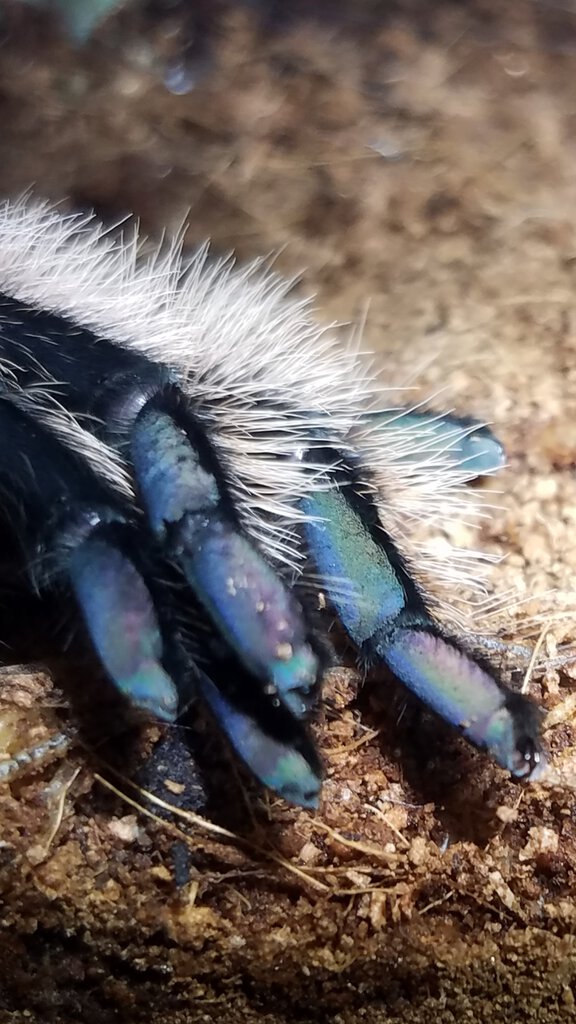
418	161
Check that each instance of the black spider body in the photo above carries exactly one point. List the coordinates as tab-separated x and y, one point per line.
182	446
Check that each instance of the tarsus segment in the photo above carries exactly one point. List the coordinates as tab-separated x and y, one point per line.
273	744
469	446
123	625
464	694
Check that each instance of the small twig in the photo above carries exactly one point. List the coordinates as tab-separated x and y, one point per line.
207	826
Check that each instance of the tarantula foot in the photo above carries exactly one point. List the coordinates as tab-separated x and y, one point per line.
461	442
466	696
120	617
272	744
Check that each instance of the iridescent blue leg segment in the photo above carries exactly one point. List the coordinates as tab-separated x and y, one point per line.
385	615
466	695
275	748
469	445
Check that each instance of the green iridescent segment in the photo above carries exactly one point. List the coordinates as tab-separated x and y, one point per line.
120	618
254	611
277	764
80	17
466	696
470	446
359	578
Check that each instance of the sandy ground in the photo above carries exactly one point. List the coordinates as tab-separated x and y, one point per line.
417	161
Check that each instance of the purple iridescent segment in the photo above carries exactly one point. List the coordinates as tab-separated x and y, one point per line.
466	696
255	612
120	618
276	764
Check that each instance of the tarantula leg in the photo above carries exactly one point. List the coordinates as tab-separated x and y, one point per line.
465	694
386	617
121	619
467	444
270	742
187	509
256	615
73	532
